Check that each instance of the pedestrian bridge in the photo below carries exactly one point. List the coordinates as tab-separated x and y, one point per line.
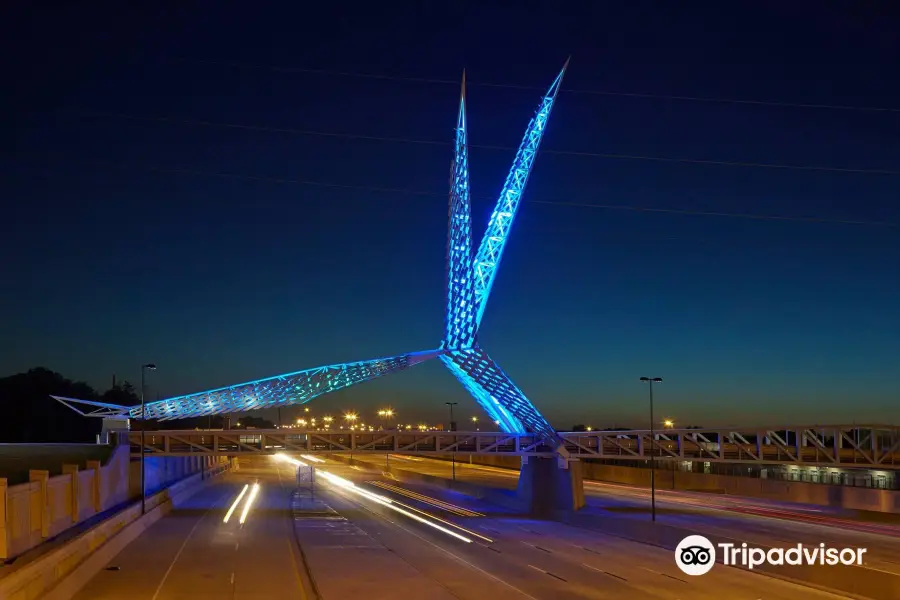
862	446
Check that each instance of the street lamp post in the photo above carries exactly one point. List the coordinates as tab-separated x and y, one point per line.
452	428
651	381
144	368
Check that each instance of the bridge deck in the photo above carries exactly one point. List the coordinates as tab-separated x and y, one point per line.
873	446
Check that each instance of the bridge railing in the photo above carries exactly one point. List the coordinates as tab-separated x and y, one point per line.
871	446
237	442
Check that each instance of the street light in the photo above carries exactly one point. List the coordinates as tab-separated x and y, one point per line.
452	428
144	369
651	381
350	416
668	423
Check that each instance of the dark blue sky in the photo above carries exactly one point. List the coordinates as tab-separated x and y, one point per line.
120	246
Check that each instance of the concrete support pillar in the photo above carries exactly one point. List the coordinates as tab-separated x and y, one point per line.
42	478
548	486
72	472
4	525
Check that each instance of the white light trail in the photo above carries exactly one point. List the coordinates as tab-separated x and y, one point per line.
351	487
236	502
249	503
312	458
289	459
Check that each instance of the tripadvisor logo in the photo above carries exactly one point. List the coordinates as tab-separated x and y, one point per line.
696	555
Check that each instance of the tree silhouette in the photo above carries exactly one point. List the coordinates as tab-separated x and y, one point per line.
31	415
121	393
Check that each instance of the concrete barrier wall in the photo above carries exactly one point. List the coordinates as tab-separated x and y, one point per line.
851	498
33	512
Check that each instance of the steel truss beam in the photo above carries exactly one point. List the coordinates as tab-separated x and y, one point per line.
267	442
91	408
281	390
496	393
845	446
871	446
490	251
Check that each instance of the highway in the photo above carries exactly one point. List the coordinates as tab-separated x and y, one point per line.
193	553
513	557
754	520
366	535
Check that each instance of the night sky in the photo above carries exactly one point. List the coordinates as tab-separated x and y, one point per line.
137	228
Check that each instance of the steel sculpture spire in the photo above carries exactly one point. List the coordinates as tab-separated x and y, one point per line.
469	282
459	323
495	237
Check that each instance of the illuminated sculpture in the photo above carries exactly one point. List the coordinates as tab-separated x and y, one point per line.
469	283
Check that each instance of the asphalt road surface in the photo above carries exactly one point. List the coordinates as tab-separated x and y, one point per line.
369	536
753	520
193	553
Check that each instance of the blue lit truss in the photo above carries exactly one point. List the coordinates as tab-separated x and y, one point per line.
290	388
487	261
459	324
469	283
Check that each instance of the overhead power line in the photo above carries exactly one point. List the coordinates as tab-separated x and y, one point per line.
435	80
353	136
409	192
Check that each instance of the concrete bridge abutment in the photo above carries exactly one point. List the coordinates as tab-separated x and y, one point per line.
549	486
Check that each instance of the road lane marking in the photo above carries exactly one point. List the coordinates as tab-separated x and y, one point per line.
604	572
441	549
663	574
548	573
183	544
535	546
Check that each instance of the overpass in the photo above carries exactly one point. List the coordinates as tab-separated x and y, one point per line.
860	446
